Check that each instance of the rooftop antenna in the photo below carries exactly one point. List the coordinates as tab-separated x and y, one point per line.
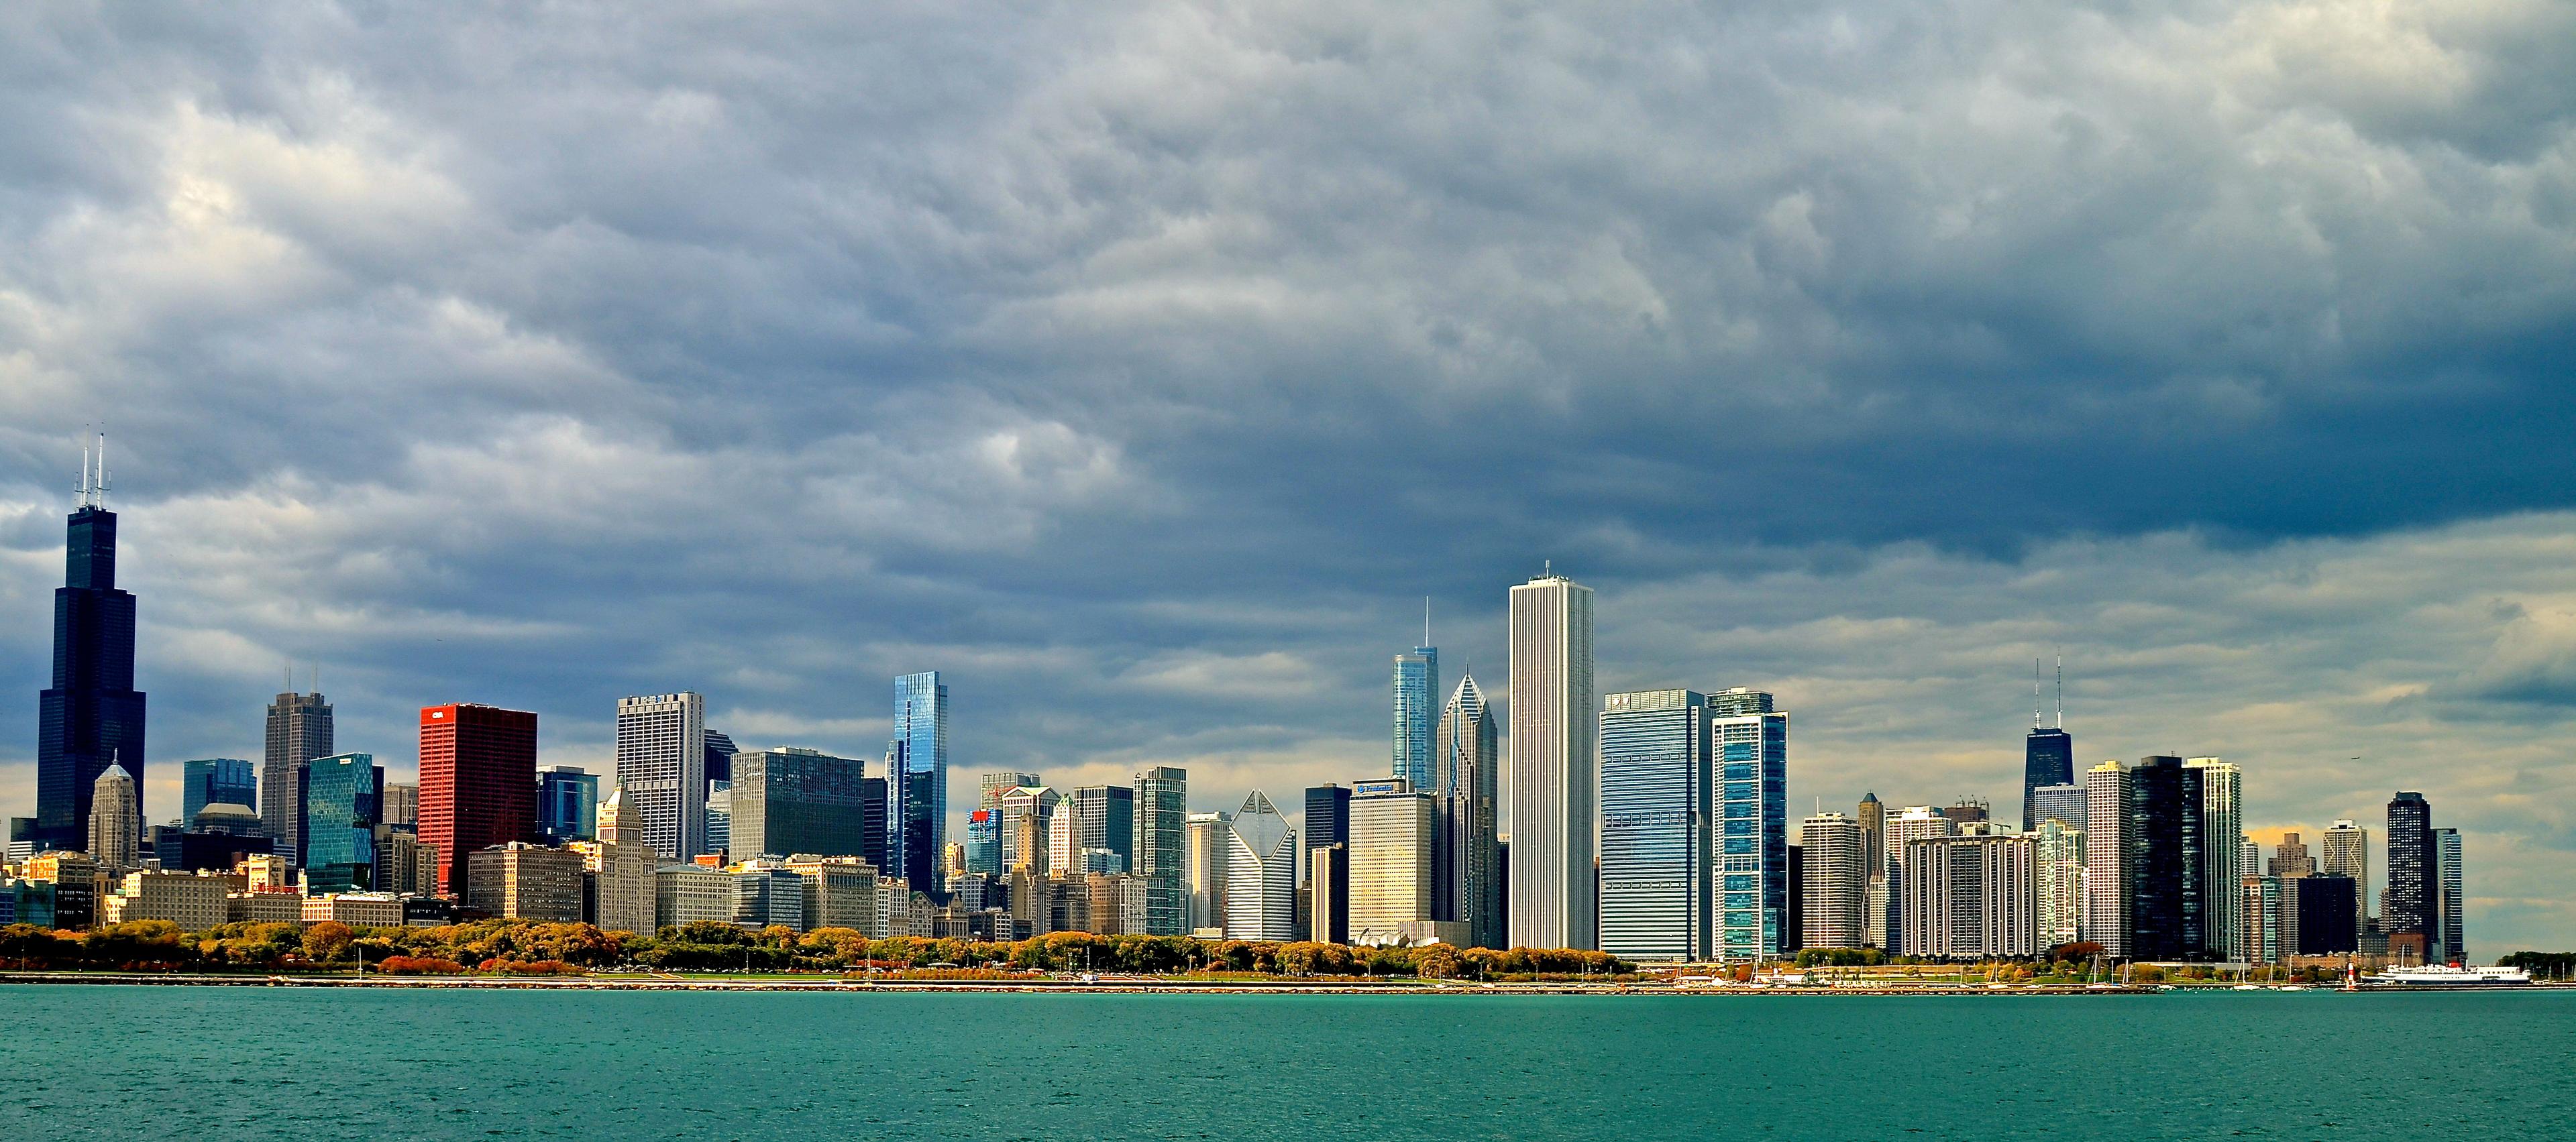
100	494
2061	689
1426	620
2034	694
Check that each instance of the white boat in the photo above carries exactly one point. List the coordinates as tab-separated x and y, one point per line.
2447	976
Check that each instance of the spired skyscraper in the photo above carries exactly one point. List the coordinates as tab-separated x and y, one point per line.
917	780
92	716
1417	702
1555	766
1466	775
2048	755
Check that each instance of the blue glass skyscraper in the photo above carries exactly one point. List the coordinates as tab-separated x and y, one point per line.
216	781
1656	887
1750	742
917	772
92	716
343	796
568	803
1417	711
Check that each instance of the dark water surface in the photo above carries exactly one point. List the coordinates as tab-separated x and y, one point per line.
221	1063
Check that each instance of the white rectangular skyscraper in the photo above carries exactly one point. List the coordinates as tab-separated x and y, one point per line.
2222	827
662	766
1555	746
2107	864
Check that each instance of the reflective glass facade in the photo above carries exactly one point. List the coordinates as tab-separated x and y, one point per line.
216	781
567	803
1162	847
1750	748
1417	708
1655	802
917	769
342	794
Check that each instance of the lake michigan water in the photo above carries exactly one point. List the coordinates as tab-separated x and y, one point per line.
222	1063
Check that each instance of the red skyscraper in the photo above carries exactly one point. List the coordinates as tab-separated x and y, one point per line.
478	783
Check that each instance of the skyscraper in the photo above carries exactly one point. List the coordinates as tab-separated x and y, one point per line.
2446	854
918	818
215	781
2168	906
116	820
720	751
790	800
1035	803
1466	778
1837	881
990	787
1417	707
1328	826
1554	772
478	783
661	764
2347	854
1871	816
2062	802
2222	815
625	868
1104	817
567	803
342	795
91	718
299	730
2108	857
1750	749
2048	754
1658	890
2057	870
1261	874
1211	844
1970	898
1915	823
1390	861
1162	847
2414	872
2290	858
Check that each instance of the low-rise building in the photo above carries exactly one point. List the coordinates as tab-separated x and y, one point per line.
356	909
768	895
842	892
264	906
194	903
688	893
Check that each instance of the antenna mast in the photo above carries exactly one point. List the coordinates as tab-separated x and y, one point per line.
100	498
2034	694
1426	620
2061	689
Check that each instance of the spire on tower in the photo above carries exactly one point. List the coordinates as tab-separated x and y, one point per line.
2061	690
2035	721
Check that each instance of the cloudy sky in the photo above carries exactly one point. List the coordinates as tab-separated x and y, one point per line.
1143	367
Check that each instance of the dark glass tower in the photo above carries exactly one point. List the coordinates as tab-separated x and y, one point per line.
2169	909
2048	755
2413	868
92	717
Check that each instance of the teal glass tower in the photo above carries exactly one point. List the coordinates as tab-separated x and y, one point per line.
917	780
216	781
343	796
1417	712
1750	745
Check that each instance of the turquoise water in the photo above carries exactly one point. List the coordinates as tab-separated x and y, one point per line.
237	1063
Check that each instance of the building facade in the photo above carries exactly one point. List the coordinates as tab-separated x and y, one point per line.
2414	872
1211	847
216	781
1750	743
1970	897
521	881
1658	884
917	778
2222	816
567	803
2057	875
2346	853
116	819
1261	874
792	800
478	781
662	766
1162	797
1417	707
1555	771
621	865
299	730
2446	854
2108	851
1835	878
1390	878
341	795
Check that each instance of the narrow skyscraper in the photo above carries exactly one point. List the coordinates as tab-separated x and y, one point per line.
299	730
1555	774
1417	701
1837	882
2414	877
1162	847
661	764
92	716
917	779
1750	751
2108	867
2446	855
115	838
2168	907
2347	854
2222	816
2048	755
1466	778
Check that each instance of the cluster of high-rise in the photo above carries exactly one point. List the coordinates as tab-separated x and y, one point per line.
2146	861
1651	824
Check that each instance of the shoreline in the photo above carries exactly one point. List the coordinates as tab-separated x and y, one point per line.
1130	987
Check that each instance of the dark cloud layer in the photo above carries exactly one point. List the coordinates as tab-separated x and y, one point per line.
1142	365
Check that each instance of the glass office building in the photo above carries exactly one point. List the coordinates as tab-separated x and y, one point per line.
1749	744
1417	709
1656	886
216	781
917	780
341	797
567	803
